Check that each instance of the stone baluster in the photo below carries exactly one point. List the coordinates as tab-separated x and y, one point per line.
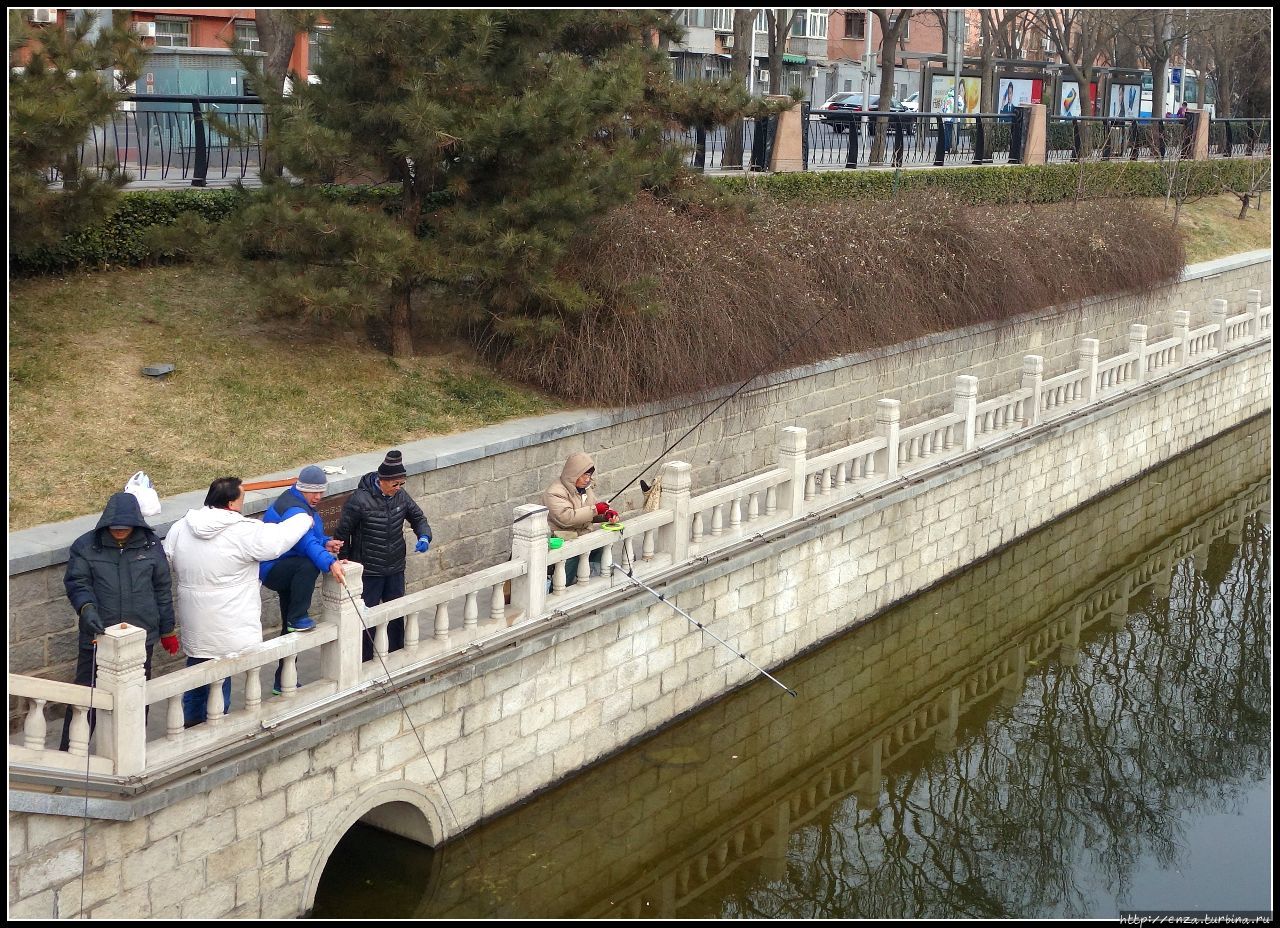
122	652
753	507
1253	306
677	484
78	735
381	642
735	513
647	551
289	677
1032	378
252	690
529	544
1218	316
213	703
1088	354
965	405
793	451
1181	328
412	631
340	659
697	527
717	522
584	569
174	722
442	622
35	727
471	611
559	579
606	562
497	604
770	501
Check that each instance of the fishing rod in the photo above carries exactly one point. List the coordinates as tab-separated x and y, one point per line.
629	573
395	690
88	759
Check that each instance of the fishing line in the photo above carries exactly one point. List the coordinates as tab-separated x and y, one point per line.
629	573
760	370
84	841
396	692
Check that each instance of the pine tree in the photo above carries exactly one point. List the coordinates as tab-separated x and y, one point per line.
54	101
507	130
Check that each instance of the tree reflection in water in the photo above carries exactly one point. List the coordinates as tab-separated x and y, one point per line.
1085	776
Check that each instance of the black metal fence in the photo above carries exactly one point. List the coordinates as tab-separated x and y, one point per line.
1239	138
157	137
741	145
874	139
1100	138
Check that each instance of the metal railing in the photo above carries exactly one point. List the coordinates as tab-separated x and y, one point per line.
707	146
899	139
164	137
1236	138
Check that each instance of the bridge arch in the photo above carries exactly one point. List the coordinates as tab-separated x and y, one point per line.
400	807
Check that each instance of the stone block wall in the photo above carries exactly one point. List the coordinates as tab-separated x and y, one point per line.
512	723
468	484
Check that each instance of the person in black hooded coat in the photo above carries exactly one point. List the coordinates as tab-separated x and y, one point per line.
118	573
371	529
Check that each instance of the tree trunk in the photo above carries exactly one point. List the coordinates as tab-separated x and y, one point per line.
401	333
276	35
1244	206
889	33
740	64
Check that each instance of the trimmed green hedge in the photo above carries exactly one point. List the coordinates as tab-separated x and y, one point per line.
1049	183
122	240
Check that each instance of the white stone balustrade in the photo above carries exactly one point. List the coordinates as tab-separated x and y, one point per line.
446	619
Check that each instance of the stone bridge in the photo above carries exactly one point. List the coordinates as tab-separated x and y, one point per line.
505	696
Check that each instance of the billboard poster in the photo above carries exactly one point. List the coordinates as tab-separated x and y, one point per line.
1126	101
1069	99
1014	91
942	98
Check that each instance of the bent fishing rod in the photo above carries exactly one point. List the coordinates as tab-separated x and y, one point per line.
629	573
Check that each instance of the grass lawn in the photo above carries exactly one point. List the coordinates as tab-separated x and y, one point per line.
1213	231
248	396
251	396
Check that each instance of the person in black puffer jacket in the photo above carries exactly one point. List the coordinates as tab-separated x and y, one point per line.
118	573
371	528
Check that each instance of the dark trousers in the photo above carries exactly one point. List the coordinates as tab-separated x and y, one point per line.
195	703
85	677
378	590
294	578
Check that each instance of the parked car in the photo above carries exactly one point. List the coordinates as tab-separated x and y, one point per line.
912	103
851	102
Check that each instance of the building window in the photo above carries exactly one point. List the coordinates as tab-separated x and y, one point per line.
855	25
817	28
315	45
173	33
247	36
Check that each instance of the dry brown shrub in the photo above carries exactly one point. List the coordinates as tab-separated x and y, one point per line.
691	300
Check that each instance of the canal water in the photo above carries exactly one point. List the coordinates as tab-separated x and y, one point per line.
1077	726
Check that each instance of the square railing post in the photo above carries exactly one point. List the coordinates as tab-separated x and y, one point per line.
1253	306
792	455
340	659
1218	316
1138	348
529	532
122	655
677	486
1181	330
1088	354
966	405
888	415
1032	378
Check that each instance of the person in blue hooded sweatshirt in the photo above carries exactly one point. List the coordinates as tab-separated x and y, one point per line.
293	574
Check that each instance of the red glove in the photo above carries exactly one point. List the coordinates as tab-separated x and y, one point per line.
611	515
170	642
601	508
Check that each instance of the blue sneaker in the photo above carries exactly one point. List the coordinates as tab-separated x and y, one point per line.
302	624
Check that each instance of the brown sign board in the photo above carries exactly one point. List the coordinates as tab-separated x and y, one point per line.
329	508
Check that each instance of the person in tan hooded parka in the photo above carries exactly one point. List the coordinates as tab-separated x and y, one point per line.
571	503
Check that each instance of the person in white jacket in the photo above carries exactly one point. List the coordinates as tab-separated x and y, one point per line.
214	555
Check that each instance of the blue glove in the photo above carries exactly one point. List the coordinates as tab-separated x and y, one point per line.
424	542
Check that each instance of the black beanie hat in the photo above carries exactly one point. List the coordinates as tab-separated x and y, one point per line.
393	466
